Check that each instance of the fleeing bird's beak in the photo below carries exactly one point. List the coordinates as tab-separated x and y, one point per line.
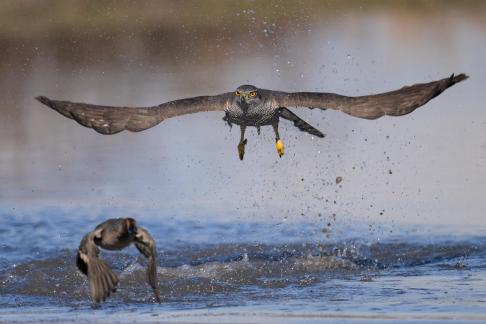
130	225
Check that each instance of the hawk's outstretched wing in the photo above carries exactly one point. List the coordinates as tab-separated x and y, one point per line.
111	120
393	103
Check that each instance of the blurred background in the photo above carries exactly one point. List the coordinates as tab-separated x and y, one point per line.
423	168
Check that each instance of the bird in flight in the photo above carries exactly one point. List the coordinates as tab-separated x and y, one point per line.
114	234
252	106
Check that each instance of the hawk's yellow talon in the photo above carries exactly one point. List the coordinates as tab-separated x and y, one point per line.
280	148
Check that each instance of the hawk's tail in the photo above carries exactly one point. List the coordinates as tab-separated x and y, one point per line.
298	122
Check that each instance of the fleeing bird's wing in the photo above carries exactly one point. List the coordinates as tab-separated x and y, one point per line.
102	280
111	120
394	103
146	245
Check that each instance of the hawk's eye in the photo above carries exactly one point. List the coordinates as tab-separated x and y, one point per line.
237	93
253	94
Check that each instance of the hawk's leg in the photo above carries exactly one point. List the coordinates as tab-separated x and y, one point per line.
278	142
243	141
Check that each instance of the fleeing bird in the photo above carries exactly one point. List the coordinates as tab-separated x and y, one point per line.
114	234
252	106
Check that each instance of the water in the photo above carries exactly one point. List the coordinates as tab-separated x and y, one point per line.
400	238
228	268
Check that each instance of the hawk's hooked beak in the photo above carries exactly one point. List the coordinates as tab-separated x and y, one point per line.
242	102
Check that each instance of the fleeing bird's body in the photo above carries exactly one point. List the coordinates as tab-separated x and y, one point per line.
252	106
114	234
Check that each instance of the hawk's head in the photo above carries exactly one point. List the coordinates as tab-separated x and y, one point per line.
247	95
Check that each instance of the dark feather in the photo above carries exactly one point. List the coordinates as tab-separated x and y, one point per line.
111	120
145	244
82	266
298	122
102	280
394	103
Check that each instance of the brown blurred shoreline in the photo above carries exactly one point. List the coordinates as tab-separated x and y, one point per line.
81	33
45	20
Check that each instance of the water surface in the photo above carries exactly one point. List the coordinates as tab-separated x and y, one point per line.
266	270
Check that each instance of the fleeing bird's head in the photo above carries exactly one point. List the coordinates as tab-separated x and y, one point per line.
130	225
247	95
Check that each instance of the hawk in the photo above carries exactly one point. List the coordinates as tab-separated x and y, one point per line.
252	106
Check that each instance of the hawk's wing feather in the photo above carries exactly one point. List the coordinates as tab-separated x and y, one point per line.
111	120
394	103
